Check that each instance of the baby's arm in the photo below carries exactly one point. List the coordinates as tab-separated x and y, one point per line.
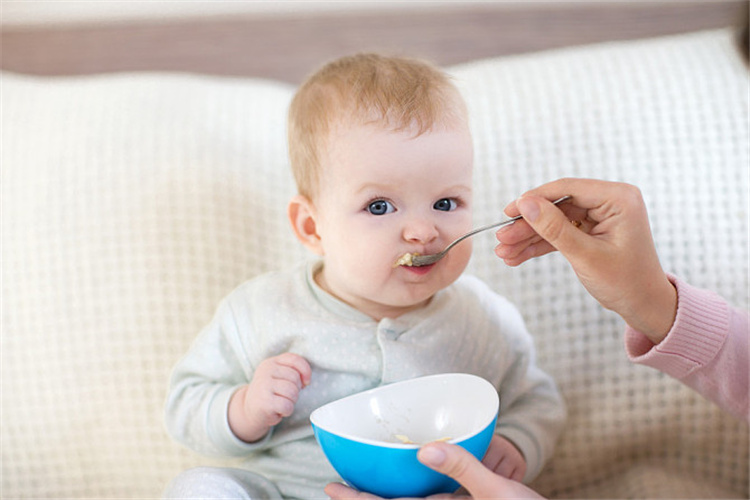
532	411
505	459
215	371
270	396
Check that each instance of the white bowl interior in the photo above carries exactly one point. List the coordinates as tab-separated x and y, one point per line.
447	406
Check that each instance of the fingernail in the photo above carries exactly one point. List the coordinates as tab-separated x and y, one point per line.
429	455
528	208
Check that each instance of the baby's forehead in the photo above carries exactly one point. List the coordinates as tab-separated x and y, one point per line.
374	122
367	143
396	109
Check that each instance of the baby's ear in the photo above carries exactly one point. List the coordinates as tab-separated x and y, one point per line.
301	212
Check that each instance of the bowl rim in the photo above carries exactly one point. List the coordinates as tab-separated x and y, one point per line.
406	446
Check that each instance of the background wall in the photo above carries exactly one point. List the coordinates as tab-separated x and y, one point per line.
41	12
286	39
36	12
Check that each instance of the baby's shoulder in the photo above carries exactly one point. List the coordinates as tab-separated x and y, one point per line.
268	287
480	300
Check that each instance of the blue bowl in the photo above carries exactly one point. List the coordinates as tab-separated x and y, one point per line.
372	438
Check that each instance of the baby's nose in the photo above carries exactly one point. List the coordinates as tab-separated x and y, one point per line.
420	230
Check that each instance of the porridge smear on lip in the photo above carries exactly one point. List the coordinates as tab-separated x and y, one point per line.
405	260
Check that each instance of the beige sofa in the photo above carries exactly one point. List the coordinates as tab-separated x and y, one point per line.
131	203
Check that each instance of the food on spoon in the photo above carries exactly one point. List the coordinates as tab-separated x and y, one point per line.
406	260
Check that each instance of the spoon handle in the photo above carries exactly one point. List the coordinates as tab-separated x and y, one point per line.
498	224
424	260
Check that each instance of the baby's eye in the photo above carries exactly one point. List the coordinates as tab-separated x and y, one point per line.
446	205
380	207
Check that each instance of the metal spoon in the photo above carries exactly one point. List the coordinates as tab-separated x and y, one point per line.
417	260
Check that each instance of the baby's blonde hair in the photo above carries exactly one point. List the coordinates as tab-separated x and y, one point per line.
393	92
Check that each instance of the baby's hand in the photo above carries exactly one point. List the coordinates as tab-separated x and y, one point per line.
269	397
505	459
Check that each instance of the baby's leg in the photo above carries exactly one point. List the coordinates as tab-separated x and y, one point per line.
219	483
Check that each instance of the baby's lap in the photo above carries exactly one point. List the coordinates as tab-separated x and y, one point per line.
218	483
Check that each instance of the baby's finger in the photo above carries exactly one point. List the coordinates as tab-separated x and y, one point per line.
286	389
516	474
506	468
298	364
287	374
281	407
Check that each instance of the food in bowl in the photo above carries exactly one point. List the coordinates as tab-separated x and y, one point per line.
361	435
406	440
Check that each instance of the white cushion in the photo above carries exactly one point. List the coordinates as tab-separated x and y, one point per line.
132	203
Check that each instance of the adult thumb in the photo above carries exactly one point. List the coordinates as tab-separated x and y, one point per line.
459	464
479	481
550	223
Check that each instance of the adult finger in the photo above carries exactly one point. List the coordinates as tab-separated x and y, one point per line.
551	224
338	491
462	466
587	193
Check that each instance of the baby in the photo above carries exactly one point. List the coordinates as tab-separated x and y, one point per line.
382	155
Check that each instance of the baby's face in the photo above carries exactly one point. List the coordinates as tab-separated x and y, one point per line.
387	193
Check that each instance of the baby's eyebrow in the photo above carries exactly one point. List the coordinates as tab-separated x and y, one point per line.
373	186
460	187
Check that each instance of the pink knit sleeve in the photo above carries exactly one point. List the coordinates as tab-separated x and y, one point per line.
706	349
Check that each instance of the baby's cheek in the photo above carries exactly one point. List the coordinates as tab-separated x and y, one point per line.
461	254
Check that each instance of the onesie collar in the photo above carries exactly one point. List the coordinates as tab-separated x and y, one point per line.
328	301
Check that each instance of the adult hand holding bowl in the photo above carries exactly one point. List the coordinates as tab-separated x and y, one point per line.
363	435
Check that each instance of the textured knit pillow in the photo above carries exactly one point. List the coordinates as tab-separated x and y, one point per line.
131	205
